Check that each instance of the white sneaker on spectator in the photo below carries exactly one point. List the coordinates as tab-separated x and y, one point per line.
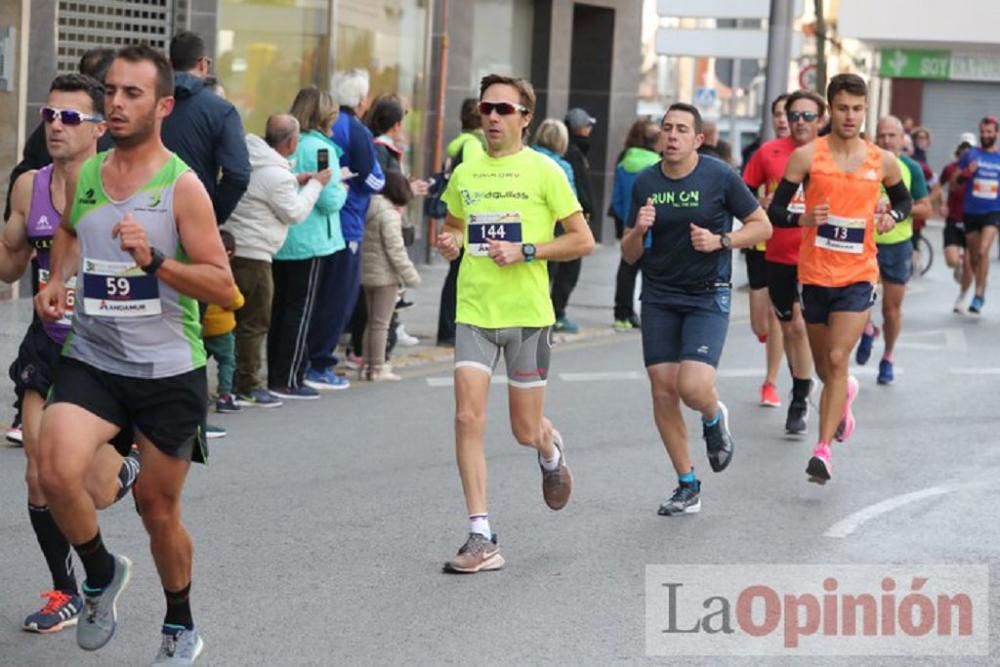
405	339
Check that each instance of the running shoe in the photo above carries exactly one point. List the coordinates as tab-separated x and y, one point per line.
622	325
769	397
478	554
403	304
976	306
634	321
61	611
864	351
258	398
566	325
383	374
100	615
719	440
798	416
686	500
557	485
820	466
846	426
353	362
180	646
226	403
325	380
15	435
295	393
213	432
885	374
959	306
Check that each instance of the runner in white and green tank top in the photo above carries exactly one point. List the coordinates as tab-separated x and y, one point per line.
128	322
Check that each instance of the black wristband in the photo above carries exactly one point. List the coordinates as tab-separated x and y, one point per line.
155	263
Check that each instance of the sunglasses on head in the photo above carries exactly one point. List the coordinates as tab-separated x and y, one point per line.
807	116
502	108
67	116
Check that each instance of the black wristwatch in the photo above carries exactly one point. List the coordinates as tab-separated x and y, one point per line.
726	242
155	263
528	250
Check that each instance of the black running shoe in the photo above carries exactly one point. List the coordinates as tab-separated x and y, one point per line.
719	441
798	414
686	500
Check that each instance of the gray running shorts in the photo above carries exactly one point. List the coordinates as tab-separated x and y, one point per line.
526	352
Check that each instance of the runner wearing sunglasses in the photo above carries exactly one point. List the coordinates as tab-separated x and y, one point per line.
502	210
837	259
71	134
804	110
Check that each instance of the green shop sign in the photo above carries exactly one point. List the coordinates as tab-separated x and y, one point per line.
923	64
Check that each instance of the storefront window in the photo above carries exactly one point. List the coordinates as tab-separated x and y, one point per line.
388	38
267	50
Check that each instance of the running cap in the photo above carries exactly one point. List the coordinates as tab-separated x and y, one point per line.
968	138
577	118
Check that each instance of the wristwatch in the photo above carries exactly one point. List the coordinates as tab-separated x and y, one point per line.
528	250
155	263
726	242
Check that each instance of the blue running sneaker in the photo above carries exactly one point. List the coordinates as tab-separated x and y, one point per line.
977	305
100	615
864	351
61	611
180	646
885	374
325	380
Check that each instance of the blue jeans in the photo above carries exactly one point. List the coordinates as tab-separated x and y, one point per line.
335	301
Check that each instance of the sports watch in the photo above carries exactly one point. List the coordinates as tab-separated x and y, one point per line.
155	263
528	250
725	241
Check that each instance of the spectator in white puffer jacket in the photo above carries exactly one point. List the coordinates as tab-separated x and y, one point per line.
275	199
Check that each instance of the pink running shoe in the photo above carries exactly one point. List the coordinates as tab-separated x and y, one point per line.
846	426
820	467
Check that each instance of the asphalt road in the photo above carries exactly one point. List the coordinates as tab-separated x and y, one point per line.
320	528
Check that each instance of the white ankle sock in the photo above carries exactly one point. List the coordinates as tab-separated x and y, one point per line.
553	463
480	523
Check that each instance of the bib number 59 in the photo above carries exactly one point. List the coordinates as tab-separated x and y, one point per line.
117	286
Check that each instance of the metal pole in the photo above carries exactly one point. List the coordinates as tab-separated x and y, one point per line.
734	82
820	48
439	109
779	53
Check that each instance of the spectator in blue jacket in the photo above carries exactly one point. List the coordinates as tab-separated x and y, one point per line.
640	152
205	130
341	283
299	265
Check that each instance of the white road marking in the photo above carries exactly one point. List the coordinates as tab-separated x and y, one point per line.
974	371
950	339
602	377
850	524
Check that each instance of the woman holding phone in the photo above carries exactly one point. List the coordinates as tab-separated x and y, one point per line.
299	264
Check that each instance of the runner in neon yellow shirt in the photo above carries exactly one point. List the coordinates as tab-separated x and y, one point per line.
502	209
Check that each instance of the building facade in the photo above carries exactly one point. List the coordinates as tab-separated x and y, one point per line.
576	54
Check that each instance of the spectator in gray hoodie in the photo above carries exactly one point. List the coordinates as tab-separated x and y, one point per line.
275	199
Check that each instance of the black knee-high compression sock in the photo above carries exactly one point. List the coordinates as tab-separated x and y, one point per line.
55	548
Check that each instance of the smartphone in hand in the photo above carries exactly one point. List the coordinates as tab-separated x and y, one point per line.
322	159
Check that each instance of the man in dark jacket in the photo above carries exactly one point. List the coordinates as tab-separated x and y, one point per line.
205	130
95	63
563	275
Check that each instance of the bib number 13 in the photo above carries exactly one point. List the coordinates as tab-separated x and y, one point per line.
117	286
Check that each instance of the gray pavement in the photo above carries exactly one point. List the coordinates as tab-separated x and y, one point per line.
320	528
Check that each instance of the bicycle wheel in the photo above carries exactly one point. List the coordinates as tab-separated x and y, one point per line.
926	252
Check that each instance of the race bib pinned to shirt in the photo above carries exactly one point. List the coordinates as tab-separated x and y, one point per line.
43	280
119	289
842	235
985	188
486	227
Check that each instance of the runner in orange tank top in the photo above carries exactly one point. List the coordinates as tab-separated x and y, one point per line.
838	269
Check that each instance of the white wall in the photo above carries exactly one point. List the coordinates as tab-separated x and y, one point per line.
921	22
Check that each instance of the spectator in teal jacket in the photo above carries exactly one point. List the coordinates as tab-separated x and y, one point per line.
298	264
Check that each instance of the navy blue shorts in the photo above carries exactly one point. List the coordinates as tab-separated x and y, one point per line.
895	262
974	222
691	328
818	302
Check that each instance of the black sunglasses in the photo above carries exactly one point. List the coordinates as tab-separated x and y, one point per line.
502	108
67	116
807	116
